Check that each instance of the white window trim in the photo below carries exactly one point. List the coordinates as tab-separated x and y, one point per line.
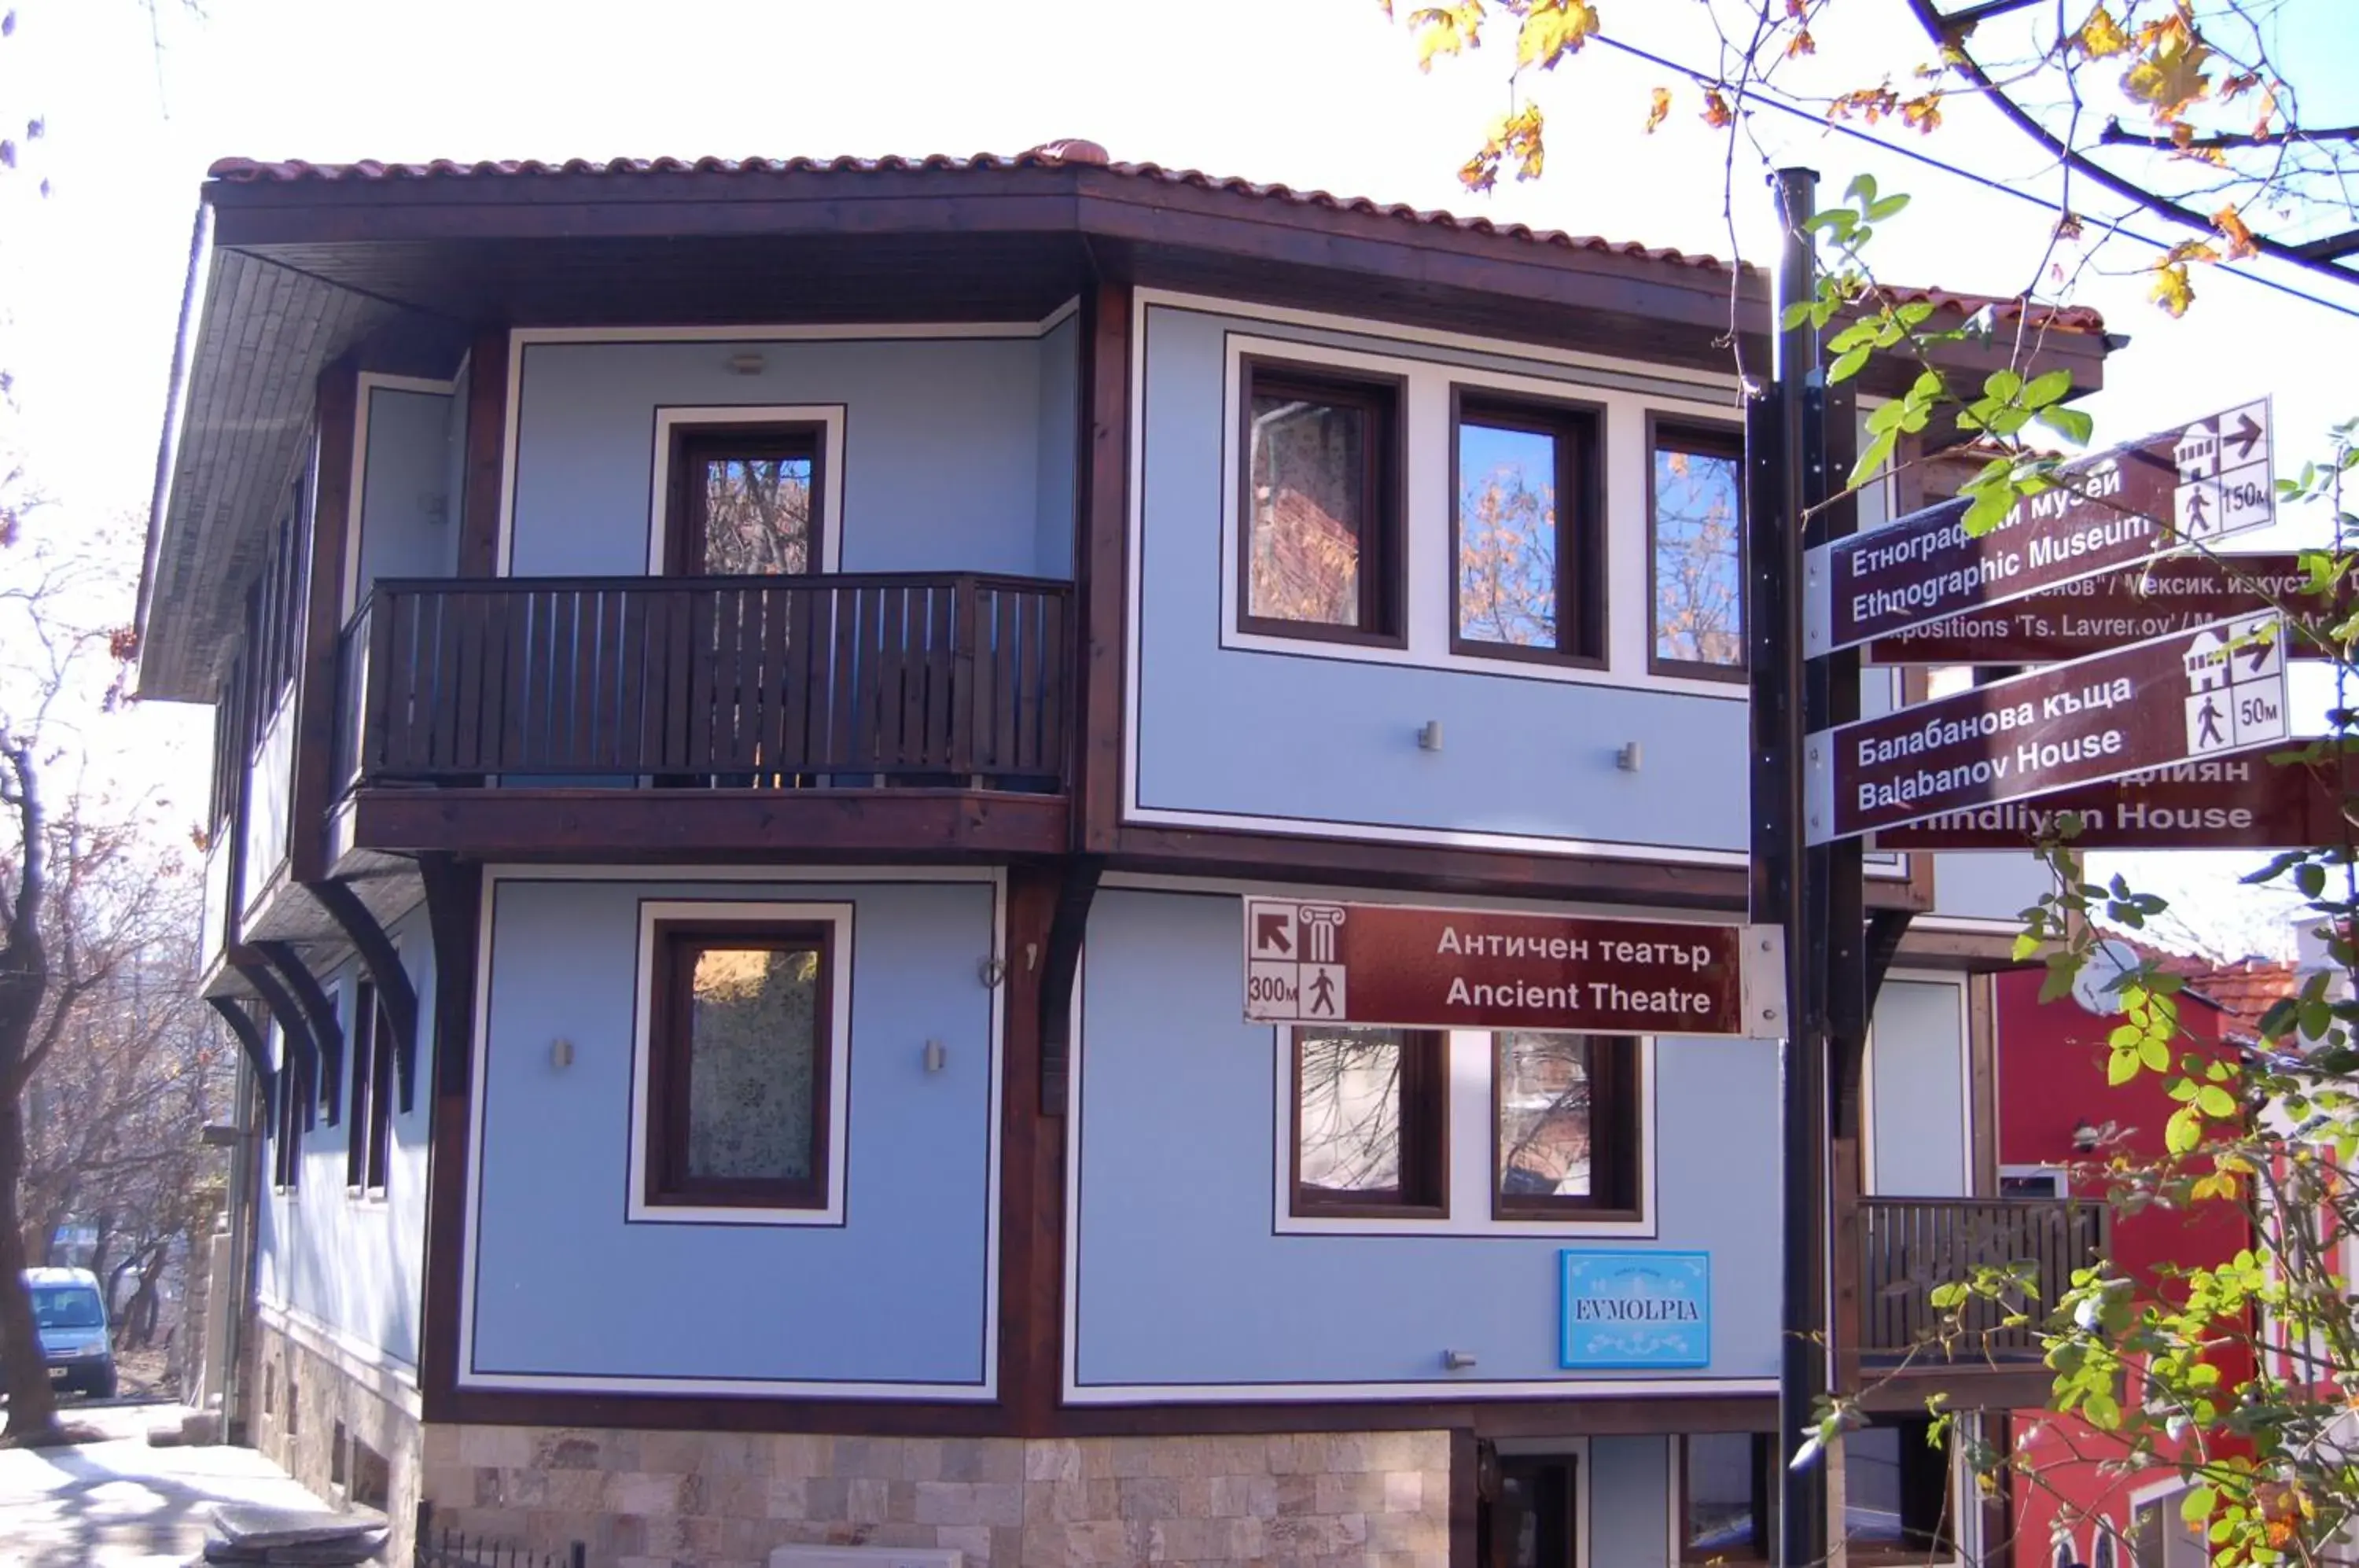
828	415
2063	1174
838	917
1426	432
1868	1187
366	386
1468	1180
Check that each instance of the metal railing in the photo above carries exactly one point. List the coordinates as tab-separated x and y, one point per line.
1908	1245
745	681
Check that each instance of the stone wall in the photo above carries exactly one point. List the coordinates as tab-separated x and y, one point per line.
300	1402
653	1499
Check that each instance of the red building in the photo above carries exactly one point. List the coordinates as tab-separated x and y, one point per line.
2060	1123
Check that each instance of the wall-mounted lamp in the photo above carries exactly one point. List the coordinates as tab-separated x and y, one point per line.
1458	1360
1631	758
2085	1137
745	363
561	1052
935	1056
1429	738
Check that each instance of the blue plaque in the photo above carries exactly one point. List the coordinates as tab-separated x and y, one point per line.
1636	1309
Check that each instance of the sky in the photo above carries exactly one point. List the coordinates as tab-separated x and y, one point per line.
1310	93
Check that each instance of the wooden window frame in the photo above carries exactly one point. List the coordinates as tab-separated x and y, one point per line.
1384	540
666	1184
1424	1118
293	1088
1615	1102
1581	612
1938	1544
1701	438
368	1128
1765	1504
695	443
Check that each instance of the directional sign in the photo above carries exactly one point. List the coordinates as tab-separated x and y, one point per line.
2201	483
2243	802
1311	962
2177	594
2150	706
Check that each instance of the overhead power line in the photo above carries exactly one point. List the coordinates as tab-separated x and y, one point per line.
1764	97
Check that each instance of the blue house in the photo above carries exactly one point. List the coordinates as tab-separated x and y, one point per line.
751	700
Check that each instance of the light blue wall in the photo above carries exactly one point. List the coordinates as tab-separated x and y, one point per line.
566	1288
1060	431
944	446
1182	1279
1919	1083
408	521
1630	1501
354	1264
1277	735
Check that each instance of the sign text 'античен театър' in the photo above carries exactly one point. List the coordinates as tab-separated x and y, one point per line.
1408	966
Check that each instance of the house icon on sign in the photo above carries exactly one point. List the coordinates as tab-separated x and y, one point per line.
2197	454
2207	663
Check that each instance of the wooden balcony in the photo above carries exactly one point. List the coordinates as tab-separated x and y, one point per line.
1901	1248
708	715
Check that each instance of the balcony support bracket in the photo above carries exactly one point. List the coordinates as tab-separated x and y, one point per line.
327	1030
1059	968
395	994
257	1051
294	1025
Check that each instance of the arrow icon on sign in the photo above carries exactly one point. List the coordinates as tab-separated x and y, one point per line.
2246	435
1273	933
2259	651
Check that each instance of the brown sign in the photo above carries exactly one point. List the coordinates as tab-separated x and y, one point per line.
2170	700
2244	802
1311	962
2204	482
2176	594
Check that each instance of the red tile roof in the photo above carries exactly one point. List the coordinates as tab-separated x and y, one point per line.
1073	152
2243	989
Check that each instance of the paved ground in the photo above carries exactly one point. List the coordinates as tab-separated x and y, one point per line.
121	1504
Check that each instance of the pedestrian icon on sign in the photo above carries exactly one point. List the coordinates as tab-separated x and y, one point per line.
1323	995
2209	735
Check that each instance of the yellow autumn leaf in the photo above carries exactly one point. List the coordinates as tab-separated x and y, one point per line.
1923	113
2231	224
1446	29
1553	29
2101	36
2169	73
1802	43
2172	291
1715	109
1659	109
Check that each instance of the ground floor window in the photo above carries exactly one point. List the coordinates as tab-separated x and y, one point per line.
1896	1493
1728	1489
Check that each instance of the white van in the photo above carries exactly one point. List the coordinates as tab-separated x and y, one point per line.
70	1311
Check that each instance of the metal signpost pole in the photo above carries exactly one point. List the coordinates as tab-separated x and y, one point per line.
1785	447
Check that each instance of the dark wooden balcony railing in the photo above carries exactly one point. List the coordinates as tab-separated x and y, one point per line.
1908	1245
763	683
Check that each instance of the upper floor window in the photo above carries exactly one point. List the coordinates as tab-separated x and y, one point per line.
1321	545
1728	1488
1371	1107
1566	1121
294	1095
739	1049
745	500
1696	503
1527	565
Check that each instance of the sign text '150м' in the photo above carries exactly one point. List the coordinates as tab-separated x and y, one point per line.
1404	966
2191	485
2150	706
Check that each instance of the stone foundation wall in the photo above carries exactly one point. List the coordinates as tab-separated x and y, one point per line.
299	1399
653	1499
